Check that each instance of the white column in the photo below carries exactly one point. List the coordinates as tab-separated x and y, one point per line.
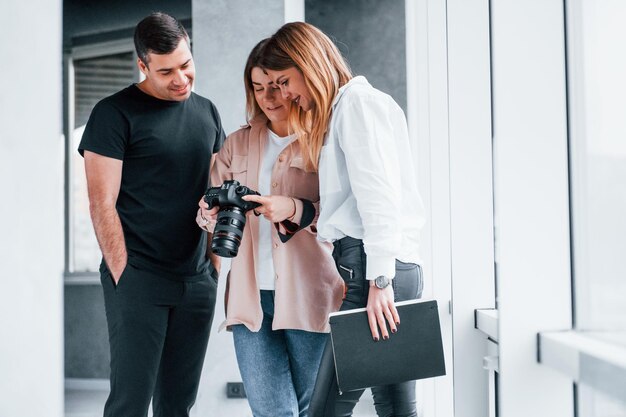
294	11
31	212
471	197
531	201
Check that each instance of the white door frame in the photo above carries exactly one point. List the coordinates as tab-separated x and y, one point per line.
480	71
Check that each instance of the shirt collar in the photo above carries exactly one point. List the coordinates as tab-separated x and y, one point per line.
259	119
358	80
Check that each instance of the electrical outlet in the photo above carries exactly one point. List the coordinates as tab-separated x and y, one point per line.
235	390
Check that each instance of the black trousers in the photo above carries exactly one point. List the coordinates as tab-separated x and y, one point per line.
158	334
390	400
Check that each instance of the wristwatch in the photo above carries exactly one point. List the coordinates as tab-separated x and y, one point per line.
382	282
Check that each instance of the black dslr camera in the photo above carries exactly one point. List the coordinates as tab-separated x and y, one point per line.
231	218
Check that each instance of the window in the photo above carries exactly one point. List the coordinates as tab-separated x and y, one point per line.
598	150
596	91
94	78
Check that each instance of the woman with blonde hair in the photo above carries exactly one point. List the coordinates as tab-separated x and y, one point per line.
282	285
356	138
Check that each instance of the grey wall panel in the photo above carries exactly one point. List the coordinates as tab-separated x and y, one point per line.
371	35
224	33
86	336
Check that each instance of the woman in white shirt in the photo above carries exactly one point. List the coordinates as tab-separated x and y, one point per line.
356	137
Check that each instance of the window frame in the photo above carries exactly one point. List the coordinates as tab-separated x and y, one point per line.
88	51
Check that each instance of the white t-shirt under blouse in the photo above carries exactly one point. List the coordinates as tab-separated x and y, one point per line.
265	263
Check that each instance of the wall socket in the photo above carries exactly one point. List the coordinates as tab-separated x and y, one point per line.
235	390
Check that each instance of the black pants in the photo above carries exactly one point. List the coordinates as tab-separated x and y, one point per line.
158	334
390	400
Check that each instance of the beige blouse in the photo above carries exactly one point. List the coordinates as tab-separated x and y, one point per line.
308	286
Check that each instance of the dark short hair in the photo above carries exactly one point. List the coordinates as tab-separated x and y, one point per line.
159	33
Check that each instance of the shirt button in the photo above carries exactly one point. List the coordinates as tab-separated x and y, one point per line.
276	276
274	184
281	158
275	245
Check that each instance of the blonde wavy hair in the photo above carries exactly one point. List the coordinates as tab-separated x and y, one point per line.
308	49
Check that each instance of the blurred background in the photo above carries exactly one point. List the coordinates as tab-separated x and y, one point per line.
516	117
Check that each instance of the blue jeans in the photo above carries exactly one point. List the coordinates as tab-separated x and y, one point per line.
278	367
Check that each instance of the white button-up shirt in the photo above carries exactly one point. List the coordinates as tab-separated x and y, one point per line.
368	185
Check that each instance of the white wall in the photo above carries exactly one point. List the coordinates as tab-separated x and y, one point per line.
31	216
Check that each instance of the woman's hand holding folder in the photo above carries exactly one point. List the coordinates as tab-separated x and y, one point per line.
381	309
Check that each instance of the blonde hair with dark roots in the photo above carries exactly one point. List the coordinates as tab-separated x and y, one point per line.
252	107
308	49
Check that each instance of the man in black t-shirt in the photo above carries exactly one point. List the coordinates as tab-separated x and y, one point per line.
147	153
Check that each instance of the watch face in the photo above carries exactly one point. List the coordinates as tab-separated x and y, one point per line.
381	282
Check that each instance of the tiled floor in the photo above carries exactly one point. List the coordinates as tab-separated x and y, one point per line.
84	403
89	403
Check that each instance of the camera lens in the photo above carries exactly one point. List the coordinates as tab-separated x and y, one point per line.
228	232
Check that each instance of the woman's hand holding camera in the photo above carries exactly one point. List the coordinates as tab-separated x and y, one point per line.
274	208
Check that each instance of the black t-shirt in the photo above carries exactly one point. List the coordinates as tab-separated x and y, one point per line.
166	147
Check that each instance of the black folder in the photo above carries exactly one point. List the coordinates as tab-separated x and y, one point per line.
415	351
